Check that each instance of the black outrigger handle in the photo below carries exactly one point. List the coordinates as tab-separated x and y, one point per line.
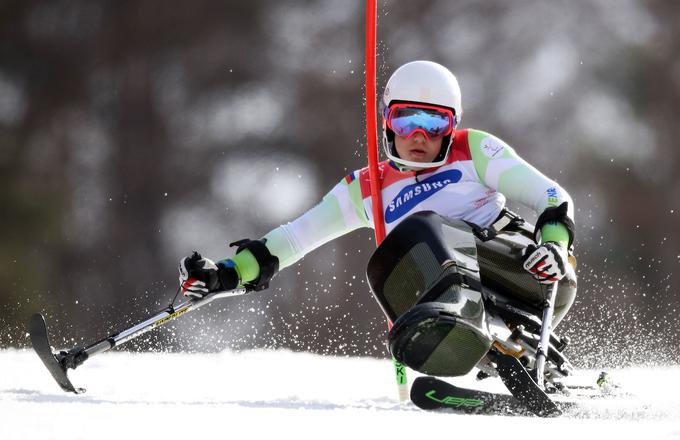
546	329
58	363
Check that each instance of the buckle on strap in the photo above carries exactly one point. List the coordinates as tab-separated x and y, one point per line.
505	218
501	223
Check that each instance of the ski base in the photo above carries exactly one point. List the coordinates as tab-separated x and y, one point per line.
41	345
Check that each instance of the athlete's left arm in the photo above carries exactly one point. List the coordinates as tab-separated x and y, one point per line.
501	168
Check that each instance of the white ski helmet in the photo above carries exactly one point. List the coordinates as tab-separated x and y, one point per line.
422	82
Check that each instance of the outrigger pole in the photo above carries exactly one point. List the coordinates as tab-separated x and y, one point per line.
59	363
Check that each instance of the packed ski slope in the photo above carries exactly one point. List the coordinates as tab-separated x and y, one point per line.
260	394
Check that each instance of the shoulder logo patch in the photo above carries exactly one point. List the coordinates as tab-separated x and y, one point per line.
492	147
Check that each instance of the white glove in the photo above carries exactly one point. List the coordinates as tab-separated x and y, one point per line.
547	262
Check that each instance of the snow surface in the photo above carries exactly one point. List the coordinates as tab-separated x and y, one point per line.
258	394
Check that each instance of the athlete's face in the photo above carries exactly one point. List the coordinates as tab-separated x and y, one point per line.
417	148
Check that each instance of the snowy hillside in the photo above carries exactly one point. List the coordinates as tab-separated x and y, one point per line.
259	394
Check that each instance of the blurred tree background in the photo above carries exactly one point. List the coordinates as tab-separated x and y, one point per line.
133	132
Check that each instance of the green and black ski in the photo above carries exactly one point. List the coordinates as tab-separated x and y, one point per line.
430	393
433	394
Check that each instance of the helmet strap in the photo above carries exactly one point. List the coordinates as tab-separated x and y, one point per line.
444	148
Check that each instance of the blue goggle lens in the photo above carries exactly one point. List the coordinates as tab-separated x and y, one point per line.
405	121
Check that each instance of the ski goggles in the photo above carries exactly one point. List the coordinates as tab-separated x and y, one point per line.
406	119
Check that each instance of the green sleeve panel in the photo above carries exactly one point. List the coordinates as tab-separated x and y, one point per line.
246	266
357	203
339	212
557	232
499	167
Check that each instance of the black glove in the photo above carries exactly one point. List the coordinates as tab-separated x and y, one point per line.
547	262
199	276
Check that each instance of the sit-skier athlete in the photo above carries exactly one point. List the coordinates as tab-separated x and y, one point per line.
460	174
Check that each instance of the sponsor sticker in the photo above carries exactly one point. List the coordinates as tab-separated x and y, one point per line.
454	401
553	198
413	194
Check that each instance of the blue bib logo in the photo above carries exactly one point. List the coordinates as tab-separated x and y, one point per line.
411	195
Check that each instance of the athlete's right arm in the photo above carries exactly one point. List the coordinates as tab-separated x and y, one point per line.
339	212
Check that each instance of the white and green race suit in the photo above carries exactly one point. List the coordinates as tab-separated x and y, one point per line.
480	173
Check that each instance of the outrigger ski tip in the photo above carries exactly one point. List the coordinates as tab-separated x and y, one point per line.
53	362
